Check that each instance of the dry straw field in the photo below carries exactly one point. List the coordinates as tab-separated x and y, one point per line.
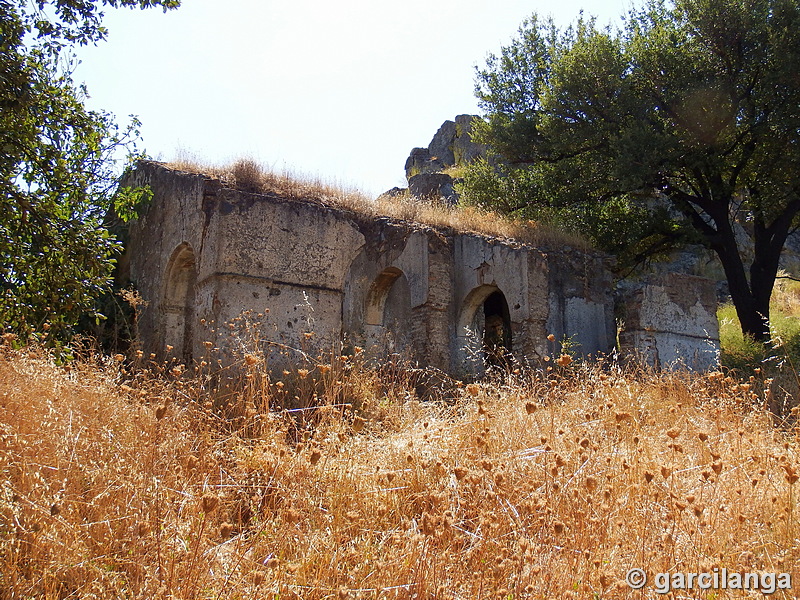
136	481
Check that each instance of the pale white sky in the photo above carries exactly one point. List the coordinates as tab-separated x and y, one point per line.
337	90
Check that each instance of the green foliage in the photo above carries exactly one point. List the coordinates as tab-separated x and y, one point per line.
738	351
694	102
57	169
496	187
743	354
631	230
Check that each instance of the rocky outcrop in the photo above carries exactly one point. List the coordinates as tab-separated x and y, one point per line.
451	146
433	186
420	162
395	192
465	150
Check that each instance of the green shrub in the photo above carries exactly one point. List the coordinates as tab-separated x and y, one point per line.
744	354
738	352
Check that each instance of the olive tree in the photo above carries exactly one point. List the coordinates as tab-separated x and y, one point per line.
693	101
57	167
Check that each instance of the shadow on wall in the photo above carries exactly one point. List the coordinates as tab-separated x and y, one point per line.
388	313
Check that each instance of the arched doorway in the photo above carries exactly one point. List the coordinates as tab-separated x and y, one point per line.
496	331
387	312
177	306
484	330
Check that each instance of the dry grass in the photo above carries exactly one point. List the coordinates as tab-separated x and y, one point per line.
786	295
120	484
249	176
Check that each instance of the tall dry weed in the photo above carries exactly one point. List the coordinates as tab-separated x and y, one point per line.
547	485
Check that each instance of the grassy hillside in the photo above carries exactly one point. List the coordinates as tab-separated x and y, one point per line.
781	361
121	485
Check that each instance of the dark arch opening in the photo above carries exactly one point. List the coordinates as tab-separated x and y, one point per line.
496	331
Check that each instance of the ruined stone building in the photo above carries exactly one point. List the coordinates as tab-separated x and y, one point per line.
324	276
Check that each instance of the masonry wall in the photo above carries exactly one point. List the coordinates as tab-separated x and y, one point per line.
669	321
323	277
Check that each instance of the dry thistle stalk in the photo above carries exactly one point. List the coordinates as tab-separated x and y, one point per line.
791	474
209	503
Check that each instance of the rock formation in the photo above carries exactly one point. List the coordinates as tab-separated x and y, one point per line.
451	146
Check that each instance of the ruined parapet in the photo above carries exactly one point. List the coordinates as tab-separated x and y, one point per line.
669	321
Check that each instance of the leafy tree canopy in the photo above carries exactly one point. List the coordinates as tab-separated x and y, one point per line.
697	100
57	167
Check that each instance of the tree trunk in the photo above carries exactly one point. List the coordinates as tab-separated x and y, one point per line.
754	321
751	308
750	298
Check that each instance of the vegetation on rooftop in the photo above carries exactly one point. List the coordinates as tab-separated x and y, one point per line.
250	176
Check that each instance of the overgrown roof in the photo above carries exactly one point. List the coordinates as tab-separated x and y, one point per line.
249	176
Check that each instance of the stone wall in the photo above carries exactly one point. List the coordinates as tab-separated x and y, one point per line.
670	321
322	276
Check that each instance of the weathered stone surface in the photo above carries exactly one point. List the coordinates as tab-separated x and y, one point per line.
670	321
464	149
580	303
203	254
421	161
433	186
441	146
452	145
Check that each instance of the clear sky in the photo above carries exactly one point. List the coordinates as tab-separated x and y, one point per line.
337	90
